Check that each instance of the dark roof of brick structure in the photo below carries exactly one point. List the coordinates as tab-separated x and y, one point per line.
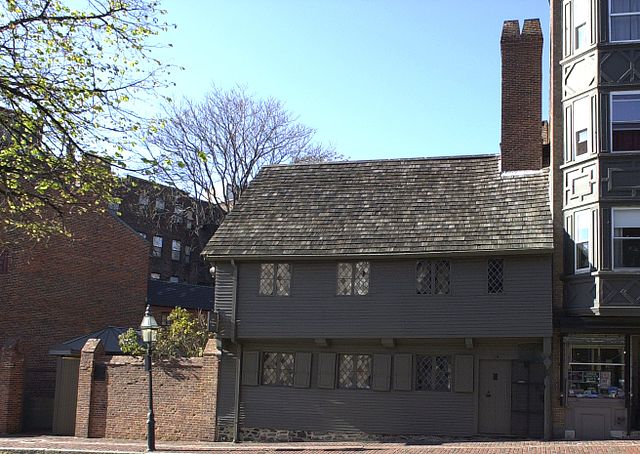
387	207
186	296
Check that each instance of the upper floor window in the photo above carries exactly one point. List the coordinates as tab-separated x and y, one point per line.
626	238
174	279
495	276
582	240
143	199
432	277
625	20
157	246
353	278
160	203
625	121
278	368
275	279
354	371
4	262
581	23
176	247
432	373
581	126
155	276
187	254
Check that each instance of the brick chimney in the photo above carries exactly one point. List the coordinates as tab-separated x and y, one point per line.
521	144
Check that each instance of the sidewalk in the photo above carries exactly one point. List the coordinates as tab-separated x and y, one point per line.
70	445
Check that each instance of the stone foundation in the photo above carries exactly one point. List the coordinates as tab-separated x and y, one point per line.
263	434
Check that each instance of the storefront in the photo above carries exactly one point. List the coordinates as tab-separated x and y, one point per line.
597	385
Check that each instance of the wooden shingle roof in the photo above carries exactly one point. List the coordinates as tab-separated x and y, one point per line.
387	207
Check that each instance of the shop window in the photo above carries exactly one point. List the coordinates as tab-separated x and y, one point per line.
495	276
432	373
278	368
275	279
432	277
596	369
354	371
624	18
353	278
626	238
157	246
625	121
582	240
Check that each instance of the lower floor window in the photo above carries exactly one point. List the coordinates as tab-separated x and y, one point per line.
354	372
432	373
278	368
596	368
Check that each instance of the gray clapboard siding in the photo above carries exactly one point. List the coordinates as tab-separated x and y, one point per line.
392	309
225	408
302	373
395	411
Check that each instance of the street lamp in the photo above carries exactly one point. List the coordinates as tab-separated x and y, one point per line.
149	330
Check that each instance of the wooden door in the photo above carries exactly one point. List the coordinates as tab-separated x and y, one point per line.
494	412
64	407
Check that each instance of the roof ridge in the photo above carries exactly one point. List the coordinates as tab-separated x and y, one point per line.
366	161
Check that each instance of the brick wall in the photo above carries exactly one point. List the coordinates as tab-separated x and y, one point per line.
66	288
521	95
556	125
184	393
11	387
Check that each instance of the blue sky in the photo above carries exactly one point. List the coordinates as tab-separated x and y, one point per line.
376	78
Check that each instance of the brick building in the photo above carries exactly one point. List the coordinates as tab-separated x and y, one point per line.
176	226
53	291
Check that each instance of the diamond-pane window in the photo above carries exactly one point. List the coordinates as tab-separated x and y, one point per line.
432	277
432	373
345	276
361	279
278	368
283	279
495	276
267	274
354	372
441	279
423	277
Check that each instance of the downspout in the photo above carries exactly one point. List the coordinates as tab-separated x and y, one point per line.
234	339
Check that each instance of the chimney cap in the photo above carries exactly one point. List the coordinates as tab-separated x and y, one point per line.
530	29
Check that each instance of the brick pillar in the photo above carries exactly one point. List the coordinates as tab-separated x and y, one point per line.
210	367
11	387
521	143
92	348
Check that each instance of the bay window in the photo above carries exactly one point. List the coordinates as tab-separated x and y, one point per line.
624	20
582	240
626	238
625	121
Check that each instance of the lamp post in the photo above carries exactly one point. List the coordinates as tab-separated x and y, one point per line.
149	330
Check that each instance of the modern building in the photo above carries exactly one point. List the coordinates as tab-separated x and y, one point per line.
595	134
383	299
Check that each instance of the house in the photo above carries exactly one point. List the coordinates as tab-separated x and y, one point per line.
405	297
595	113
64	288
